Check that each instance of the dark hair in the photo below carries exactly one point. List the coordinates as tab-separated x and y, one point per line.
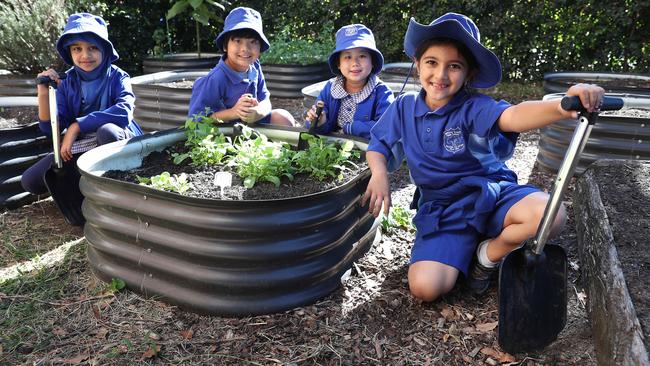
467	54
240	33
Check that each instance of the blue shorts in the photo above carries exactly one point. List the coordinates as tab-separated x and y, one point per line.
456	248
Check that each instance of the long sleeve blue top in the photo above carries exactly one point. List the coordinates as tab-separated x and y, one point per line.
366	115
119	111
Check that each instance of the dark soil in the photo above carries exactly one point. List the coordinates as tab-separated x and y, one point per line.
17	116
202	179
625	192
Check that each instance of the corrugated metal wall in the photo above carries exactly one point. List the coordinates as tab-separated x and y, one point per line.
20	147
220	257
159	107
287	81
180	61
17	86
612	137
559	82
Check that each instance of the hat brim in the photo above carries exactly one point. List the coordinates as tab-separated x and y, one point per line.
377	59
489	66
220	38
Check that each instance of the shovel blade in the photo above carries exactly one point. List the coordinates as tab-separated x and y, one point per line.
532	298
63	184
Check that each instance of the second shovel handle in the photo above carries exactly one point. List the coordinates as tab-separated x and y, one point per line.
319	110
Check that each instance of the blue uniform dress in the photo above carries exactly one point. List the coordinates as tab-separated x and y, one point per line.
364	117
223	86
456	156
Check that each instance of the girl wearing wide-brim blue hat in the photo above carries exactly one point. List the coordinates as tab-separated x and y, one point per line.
462	29
356	98
243	18
471	211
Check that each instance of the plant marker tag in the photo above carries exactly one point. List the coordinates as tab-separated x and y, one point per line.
222	179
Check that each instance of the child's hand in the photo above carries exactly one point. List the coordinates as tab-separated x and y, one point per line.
243	108
68	139
50	73
378	192
311	116
590	95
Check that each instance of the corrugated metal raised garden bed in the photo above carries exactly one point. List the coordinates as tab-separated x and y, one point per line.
231	256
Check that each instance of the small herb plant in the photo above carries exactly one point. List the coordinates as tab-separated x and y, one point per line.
207	144
167	182
398	218
323	159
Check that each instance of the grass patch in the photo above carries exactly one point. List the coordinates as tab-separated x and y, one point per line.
27	301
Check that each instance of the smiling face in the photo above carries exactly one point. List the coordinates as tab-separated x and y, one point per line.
443	71
242	52
355	65
86	56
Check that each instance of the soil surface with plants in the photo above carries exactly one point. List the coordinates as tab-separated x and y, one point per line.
64	315
17	116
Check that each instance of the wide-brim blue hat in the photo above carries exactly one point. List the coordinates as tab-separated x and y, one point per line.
85	23
356	36
461	29
243	18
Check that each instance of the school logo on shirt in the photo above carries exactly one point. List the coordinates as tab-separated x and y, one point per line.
453	140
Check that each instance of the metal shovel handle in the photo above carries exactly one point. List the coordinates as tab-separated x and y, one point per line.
580	136
319	110
54	117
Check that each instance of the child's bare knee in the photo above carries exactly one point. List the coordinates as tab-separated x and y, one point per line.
428	291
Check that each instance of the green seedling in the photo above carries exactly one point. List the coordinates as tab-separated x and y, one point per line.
167	182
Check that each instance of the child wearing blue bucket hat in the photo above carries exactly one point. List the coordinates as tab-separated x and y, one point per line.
455	142
235	89
94	101
356	98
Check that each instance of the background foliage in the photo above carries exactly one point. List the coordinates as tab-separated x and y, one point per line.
530	37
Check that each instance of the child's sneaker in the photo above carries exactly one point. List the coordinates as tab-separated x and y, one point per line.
481	277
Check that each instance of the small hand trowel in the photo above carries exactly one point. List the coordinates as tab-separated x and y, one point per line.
222	180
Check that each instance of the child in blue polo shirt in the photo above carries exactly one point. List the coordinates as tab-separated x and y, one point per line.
356	98
235	90
95	101
455	142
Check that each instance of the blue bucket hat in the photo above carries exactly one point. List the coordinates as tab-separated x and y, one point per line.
243	18
81	24
355	36
461	29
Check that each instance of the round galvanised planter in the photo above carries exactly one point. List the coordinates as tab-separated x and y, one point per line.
158	104
180	61
17	85
230	258
612	137
559	82
20	147
287	81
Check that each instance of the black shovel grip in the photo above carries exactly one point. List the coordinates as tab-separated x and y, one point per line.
573	104
319	111
47	81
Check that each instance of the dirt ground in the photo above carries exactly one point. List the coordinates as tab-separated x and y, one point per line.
17	116
65	315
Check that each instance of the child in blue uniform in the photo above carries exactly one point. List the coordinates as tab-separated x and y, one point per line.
95	102
235	90
356	98
455	142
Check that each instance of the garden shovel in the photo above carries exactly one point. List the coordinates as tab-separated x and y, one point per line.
302	143
533	278
62	180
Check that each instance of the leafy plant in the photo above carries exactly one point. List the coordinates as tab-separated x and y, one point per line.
289	50
167	182
258	159
207	145
324	159
200	12
398	218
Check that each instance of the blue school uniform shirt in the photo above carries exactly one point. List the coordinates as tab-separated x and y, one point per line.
116	109
223	86
365	116
456	156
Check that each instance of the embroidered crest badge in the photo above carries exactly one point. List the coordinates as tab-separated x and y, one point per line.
453	140
350	31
